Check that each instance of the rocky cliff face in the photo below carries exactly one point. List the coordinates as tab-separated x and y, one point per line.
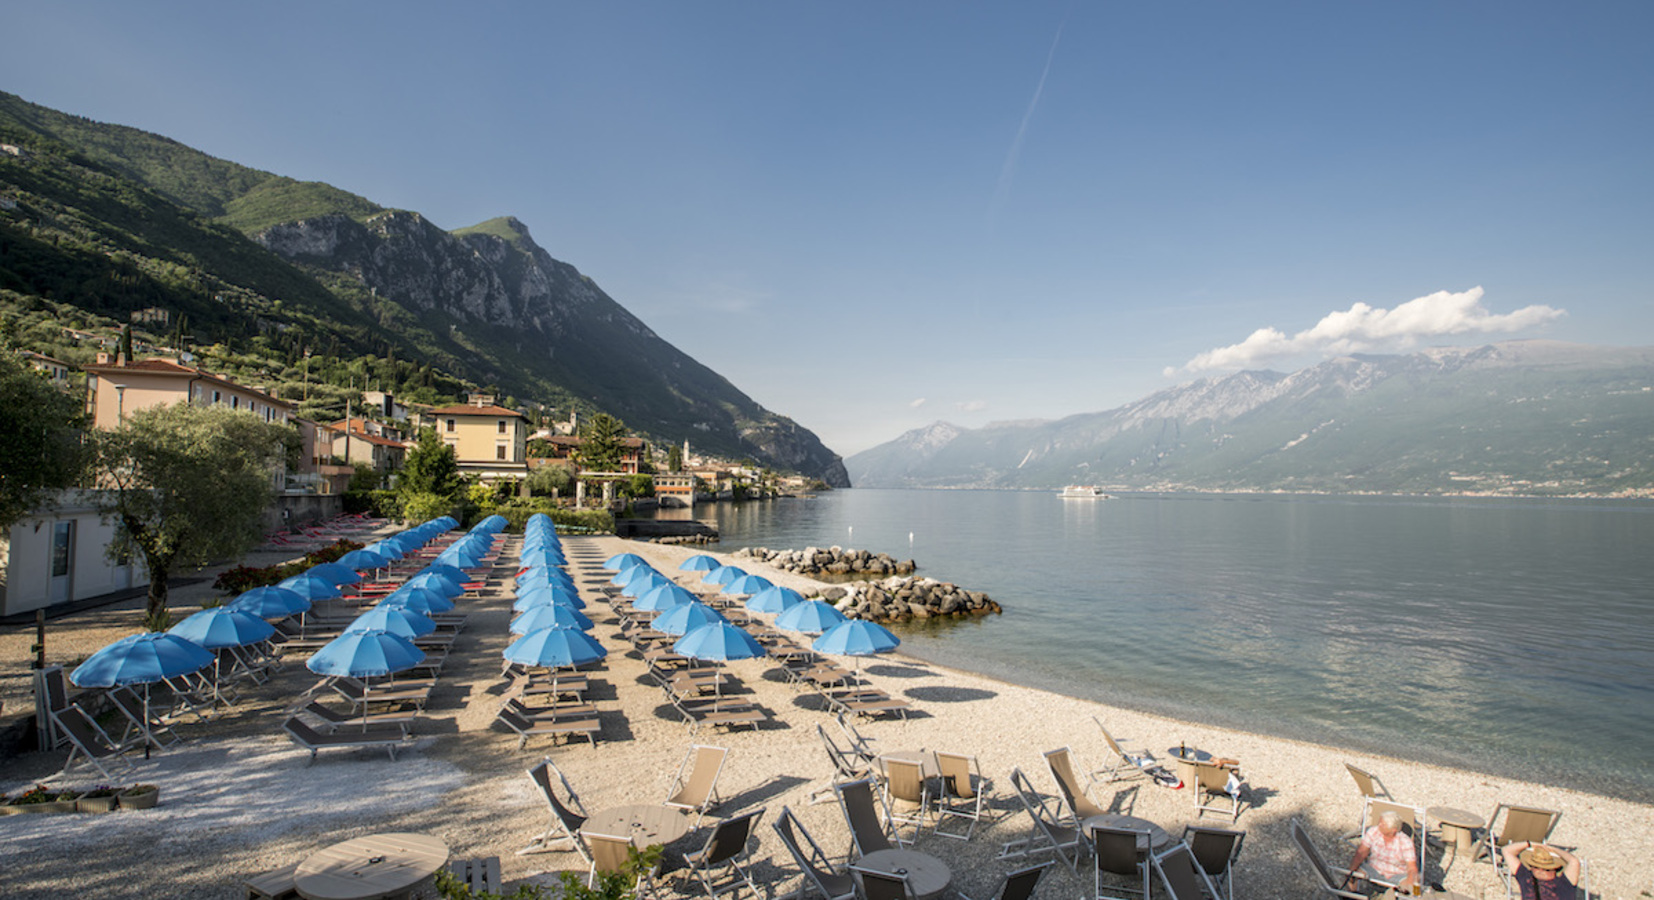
494	284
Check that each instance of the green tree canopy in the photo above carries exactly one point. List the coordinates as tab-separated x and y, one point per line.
543	481
674	458
430	468
600	443
41	446
188	485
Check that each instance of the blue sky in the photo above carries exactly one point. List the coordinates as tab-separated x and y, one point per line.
871	216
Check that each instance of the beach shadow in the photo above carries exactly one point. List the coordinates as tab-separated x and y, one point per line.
425	726
1257	797
949	694
614	726
1124	801
891	670
756	796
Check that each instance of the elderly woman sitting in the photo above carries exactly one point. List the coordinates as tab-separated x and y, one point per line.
1387	854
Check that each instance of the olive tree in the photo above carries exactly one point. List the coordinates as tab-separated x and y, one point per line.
188	485
41	440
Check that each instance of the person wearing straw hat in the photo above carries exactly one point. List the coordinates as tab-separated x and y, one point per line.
1542	872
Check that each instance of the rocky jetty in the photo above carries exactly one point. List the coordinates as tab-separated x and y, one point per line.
829	561
900	599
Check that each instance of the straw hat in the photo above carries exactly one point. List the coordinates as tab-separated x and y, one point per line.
1538	857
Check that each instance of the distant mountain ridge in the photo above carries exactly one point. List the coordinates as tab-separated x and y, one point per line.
1518	417
157	222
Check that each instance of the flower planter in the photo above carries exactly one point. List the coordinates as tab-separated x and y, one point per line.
8	808
50	806
144	799
97	804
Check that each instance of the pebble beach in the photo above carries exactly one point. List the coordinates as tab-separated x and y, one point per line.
238	798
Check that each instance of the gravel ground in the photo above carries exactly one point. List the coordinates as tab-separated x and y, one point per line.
238	798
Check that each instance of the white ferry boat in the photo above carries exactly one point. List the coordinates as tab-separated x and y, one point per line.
1083	492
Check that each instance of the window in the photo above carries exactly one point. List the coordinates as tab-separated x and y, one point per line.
217	397
502	426
449	425
235	402
499	452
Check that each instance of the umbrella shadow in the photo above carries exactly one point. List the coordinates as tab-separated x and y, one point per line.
758	794
614	726
896	670
945	694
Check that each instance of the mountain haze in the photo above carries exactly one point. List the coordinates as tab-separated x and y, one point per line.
1528	417
115	219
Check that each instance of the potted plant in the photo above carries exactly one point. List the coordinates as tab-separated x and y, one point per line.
140	796
8	805
42	799
102	798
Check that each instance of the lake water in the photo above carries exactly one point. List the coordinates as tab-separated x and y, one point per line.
1514	637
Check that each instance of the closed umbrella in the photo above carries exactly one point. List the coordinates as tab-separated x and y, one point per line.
701	563
810	617
550	615
746	584
365	654
774	599
270	602
685	617
555	648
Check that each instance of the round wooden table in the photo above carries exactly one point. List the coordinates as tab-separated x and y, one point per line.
368	868
927	876
645	823
1159	838
1458	825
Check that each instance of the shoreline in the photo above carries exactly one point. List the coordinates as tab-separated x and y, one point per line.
239	799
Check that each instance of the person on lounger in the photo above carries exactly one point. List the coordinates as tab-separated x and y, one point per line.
1387	854
1543	873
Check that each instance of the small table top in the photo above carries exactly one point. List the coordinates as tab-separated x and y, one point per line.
1451	815
646	823
1159	838
927	876
367	868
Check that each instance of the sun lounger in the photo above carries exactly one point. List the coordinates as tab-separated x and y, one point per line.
527	728
417	693
139	722
313	740
550	712
866	703
335	720
88	740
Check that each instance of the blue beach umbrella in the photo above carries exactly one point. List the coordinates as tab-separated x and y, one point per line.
550	595
421	602
541	576
663	597
310	587
437	583
719	642
542	556
270	602
554	648
685	617
635	570
141	659
810	617
774	599
453	573
364	559
334	573
621	560
397	620
856	637
223	626
645	583
747	584
491	525
365	654
390	550
701	563
550	616
722	575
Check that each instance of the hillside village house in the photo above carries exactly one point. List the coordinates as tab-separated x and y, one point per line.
56	370
489	441
114	389
565	446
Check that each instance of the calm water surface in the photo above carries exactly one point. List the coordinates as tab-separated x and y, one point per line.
1510	636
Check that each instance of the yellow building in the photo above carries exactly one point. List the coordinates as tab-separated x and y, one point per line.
114	389
489	441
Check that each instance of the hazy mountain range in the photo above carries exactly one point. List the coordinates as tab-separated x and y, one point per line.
1519	417
115	220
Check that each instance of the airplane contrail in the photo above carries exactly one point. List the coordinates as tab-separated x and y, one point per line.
1006	171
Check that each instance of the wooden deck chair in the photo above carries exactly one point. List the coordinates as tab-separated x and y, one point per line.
1413	822
1080	806
1122	852
1125	765
1019	885
1520	823
1213	787
906	798
1368	784
859	744
1181	876
819	871
877	884
722	854
1215	850
1051	835
855	799
141	723
566	817
88	740
52	689
695	787
959	796
313	740
610	855
846	764
1329	880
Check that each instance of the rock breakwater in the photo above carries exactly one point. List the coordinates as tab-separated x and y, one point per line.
902	599
829	561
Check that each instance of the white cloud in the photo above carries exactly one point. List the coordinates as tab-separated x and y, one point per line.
1362	328
971	406
916	403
